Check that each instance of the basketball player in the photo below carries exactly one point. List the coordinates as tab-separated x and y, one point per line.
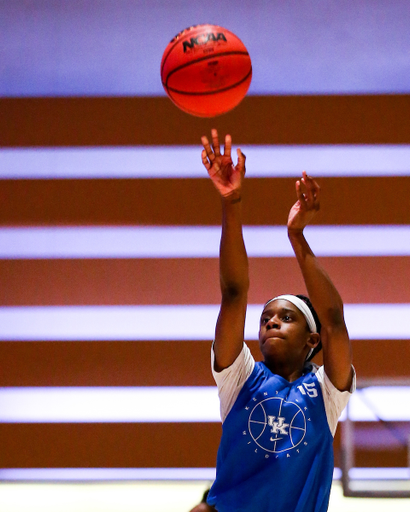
280	415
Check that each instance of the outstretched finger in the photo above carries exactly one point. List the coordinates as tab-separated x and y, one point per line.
215	142
207	148
228	146
205	160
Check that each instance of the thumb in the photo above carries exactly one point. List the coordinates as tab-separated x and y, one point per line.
241	160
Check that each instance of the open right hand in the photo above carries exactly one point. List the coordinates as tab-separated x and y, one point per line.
226	177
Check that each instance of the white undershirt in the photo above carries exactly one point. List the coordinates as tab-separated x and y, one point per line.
231	380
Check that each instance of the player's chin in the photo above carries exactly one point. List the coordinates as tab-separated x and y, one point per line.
269	349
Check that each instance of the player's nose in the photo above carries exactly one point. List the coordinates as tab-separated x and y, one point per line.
273	322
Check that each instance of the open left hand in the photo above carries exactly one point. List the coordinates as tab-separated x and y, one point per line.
226	177
307	205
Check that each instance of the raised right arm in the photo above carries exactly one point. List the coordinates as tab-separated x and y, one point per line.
233	260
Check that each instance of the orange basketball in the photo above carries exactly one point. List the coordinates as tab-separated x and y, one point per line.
206	70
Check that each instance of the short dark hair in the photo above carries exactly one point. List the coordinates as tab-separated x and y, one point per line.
318	347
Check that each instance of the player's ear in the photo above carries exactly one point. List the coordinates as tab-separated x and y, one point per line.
314	339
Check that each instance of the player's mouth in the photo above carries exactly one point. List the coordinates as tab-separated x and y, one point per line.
272	336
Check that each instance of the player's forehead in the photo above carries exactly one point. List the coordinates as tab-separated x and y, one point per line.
280	305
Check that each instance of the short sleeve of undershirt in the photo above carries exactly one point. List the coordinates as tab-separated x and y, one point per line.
231	380
335	400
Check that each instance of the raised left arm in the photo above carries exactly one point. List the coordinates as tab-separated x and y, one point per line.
337	353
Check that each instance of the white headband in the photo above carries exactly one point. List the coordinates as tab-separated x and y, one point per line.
302	306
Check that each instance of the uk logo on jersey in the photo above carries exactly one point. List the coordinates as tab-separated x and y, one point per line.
276	425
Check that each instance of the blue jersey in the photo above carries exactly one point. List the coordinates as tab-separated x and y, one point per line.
276	451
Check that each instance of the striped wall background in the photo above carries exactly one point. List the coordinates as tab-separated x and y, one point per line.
109	273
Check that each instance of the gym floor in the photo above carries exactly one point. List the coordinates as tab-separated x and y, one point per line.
147	497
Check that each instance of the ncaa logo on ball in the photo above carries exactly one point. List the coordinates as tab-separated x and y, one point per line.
202	40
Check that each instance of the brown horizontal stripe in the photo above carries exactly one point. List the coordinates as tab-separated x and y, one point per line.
130	445
331	119
109	282
158	363
190	281
120	445
121	363
382	359
379	458
350	200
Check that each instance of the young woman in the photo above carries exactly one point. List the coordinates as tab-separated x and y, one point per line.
280	415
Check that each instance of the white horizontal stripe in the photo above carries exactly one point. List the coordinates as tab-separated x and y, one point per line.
71	323
109	242
159	474
113	404
379	473
185	161
107	322
196	241
163	404
111	474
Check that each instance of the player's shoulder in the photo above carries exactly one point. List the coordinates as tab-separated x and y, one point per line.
310	368
312	371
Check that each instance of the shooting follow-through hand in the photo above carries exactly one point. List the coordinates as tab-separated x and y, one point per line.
307	205
226	177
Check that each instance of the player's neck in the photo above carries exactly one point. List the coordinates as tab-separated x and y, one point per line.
289	371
